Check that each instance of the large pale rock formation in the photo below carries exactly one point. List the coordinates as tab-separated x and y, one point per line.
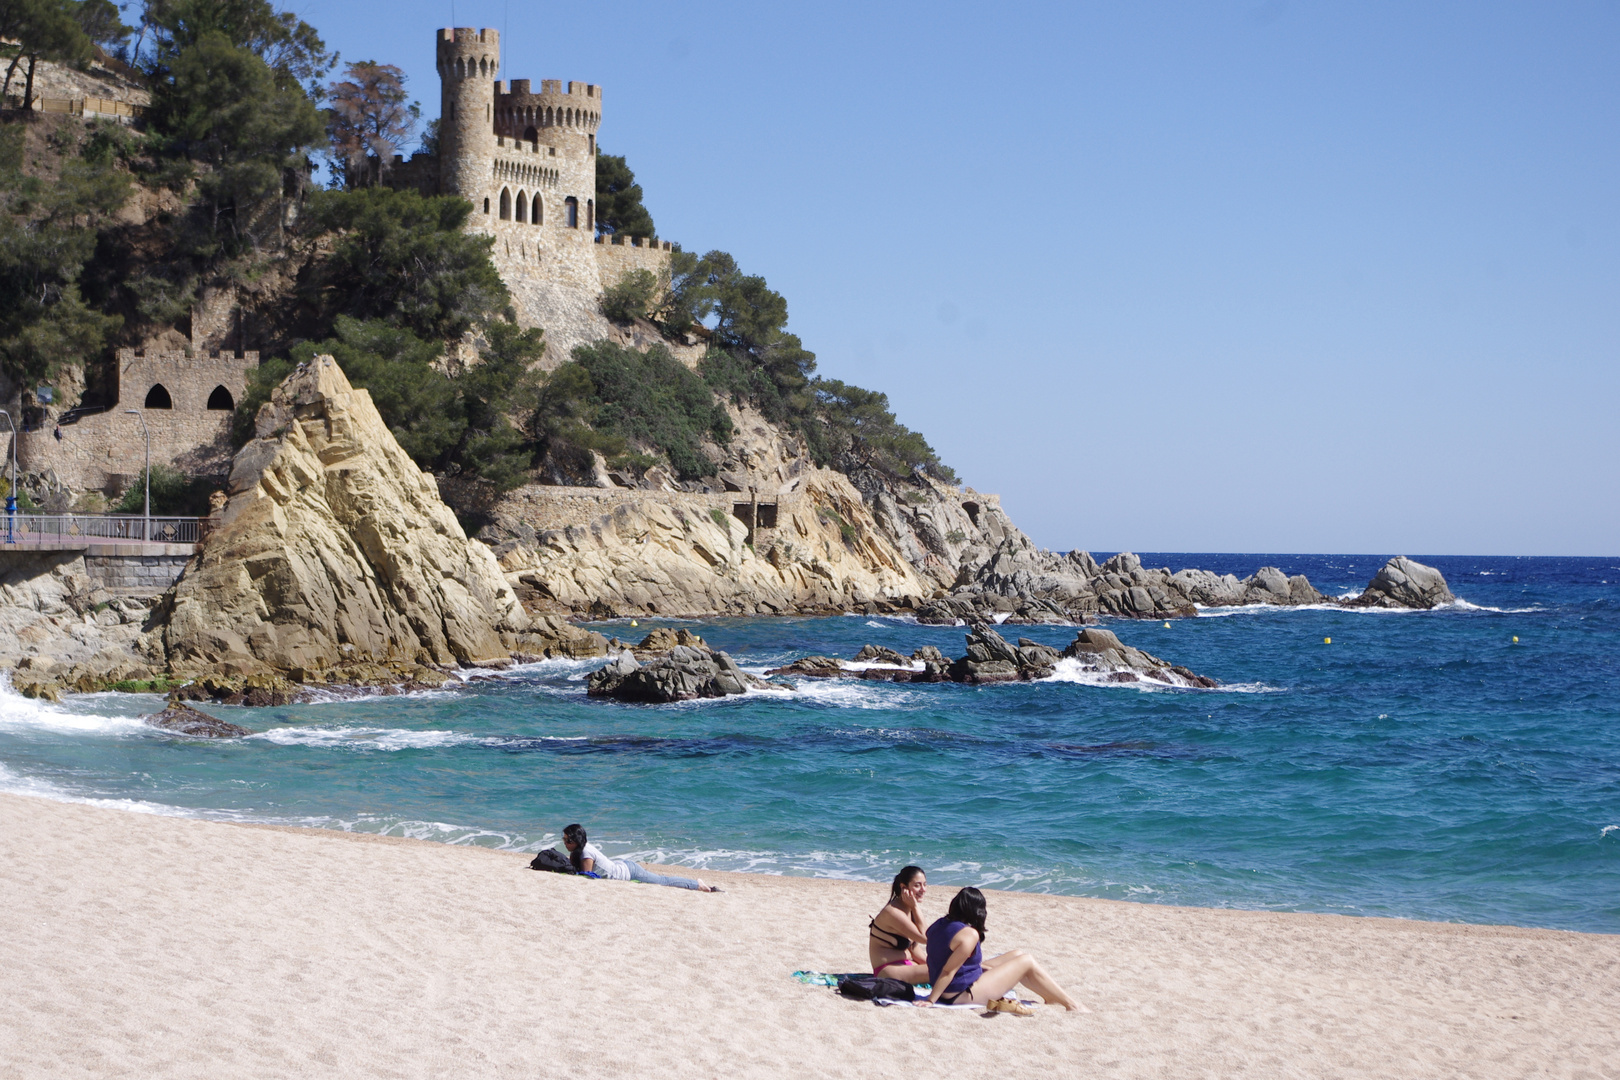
335	550
1402	583
664	554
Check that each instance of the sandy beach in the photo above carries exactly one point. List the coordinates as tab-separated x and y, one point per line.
138	945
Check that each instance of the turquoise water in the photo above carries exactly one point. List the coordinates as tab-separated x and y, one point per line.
1421	765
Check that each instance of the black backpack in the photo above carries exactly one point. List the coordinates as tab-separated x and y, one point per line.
553	860
873	988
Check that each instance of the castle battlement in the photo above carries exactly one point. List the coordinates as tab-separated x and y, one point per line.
526	160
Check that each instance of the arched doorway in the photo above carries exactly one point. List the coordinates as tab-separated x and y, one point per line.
158	398
221	399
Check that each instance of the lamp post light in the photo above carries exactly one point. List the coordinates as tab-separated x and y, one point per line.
146	513
11	495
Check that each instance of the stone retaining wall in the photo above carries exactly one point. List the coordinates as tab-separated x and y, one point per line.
124	574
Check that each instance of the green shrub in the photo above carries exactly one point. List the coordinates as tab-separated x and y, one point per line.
173	494
631	298
721	518
609	398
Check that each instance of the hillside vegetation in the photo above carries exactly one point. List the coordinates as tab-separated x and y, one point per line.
111	236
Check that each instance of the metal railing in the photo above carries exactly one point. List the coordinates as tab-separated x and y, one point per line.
98	529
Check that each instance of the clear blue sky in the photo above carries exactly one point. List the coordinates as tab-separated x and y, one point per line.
1253	276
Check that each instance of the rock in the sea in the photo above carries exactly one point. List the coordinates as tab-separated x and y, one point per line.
1402	583
823	667
663	639
1101	651
182	719
877	654
686	672
336	550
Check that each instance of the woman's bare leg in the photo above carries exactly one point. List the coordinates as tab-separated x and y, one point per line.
907	973
1004	972
997	961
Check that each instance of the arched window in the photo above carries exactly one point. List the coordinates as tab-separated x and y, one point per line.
531	134
590	213
158	398
522	207
506	205
536	215
571	212
221	399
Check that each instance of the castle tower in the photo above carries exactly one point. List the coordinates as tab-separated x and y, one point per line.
469	61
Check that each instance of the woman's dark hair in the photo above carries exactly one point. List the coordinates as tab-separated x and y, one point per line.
968	907
575	834
905	877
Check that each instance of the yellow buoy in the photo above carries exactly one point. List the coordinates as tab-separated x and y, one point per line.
1515	639
1167	626
1327	641
634	623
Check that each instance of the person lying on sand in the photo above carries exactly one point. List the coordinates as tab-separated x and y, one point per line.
895	937
587	857
960	974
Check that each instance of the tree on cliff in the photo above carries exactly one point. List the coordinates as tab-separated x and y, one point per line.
402	256
369	117
755	359
63	31
47	234
618	199
232	87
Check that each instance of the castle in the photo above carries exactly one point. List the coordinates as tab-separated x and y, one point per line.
526	161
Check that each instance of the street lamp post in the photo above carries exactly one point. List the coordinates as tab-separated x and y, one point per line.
11	495
146	513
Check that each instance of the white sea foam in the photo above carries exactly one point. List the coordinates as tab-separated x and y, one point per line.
1607	829
83	714
1267	609
1070	670
364	738
856	694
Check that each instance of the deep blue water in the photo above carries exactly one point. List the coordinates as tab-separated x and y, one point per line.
1422	765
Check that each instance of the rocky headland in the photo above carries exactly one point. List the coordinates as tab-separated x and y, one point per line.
334	561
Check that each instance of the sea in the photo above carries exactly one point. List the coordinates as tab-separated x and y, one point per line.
1460	764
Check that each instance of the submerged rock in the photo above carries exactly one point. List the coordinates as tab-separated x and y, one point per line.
1403	583
182	719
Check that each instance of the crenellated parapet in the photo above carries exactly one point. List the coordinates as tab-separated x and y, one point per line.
523	152
183	401
517	110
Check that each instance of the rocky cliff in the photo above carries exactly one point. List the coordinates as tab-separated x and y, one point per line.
336	550
864	540
335	560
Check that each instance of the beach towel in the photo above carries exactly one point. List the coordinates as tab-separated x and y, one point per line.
831	981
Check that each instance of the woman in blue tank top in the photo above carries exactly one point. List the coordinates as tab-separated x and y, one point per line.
961	975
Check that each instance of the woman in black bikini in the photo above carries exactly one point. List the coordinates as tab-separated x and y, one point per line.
895	936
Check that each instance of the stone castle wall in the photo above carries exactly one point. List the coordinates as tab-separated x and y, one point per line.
526	160
106	451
